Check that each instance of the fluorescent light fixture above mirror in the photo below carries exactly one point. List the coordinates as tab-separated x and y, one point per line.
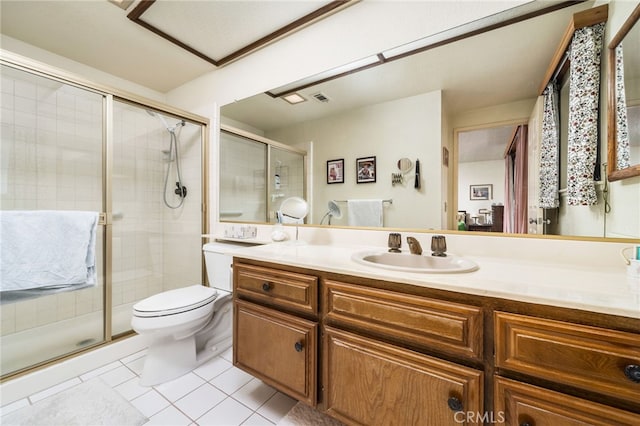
326	76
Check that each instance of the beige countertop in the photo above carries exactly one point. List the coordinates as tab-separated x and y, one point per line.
600	289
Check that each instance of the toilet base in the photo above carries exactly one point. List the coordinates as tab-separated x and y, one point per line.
168	360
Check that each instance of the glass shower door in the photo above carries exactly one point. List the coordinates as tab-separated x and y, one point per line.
51	159
287	169
243	180
156	232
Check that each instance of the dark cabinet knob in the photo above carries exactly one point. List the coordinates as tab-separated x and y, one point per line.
266	286
454	404
632	372
298	346
525	424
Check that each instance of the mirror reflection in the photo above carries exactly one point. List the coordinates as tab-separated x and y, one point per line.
624	107
414	109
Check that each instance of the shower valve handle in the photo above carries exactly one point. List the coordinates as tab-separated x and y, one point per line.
182	192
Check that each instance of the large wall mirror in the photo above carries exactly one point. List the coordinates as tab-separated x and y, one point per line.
415	108
624	100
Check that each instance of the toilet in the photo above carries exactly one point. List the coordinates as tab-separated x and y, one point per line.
187	326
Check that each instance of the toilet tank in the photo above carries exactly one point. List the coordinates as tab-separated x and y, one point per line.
218	260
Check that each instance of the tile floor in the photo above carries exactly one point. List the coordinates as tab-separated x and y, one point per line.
215	393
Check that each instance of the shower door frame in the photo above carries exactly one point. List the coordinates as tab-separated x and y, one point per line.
109	95
269	143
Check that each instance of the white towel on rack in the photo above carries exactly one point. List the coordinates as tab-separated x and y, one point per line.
47	249
364	212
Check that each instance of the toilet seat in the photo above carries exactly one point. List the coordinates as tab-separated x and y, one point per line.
176	301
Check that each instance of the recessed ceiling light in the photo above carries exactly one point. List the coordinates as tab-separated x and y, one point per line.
294	98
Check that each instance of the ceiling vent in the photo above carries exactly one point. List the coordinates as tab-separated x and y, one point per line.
320	97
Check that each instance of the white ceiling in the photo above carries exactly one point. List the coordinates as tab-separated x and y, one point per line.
98	33
484	144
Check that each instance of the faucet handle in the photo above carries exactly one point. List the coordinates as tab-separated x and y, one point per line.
395	241
438	246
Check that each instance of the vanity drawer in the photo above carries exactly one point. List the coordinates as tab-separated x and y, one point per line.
289	290
433	324
522	404
591	358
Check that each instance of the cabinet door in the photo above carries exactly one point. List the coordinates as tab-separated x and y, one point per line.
373	383
278	348
522	404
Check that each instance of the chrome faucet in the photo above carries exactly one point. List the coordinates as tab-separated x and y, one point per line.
395	241
414	246
438	246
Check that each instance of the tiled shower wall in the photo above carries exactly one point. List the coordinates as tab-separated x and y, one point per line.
243	164
155	248
51	159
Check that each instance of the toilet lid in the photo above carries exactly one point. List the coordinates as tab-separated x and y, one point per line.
175	301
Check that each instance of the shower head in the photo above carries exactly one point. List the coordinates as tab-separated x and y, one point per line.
164	122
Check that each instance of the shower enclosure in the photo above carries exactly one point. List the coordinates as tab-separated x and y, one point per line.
68	145
256	175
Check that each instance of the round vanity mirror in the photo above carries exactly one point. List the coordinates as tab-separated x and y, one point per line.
404	165
334	209
294	208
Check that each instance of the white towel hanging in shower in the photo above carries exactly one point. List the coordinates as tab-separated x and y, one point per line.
47	249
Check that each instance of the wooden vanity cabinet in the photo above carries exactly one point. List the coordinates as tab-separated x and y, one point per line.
369	375
371	352
275	329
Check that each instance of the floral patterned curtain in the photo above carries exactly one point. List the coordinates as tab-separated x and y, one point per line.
584	99
549	150
622	129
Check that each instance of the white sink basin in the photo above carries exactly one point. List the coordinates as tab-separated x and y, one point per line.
414	263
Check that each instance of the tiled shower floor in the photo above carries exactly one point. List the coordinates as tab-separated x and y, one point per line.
216	393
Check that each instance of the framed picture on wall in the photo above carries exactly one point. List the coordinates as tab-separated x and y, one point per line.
366	167
481	192
335	171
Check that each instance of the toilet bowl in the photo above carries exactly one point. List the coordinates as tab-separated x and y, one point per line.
187	326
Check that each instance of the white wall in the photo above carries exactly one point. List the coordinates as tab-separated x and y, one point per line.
408	127
65	64
480	173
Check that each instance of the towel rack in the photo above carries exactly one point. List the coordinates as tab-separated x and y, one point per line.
390	201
